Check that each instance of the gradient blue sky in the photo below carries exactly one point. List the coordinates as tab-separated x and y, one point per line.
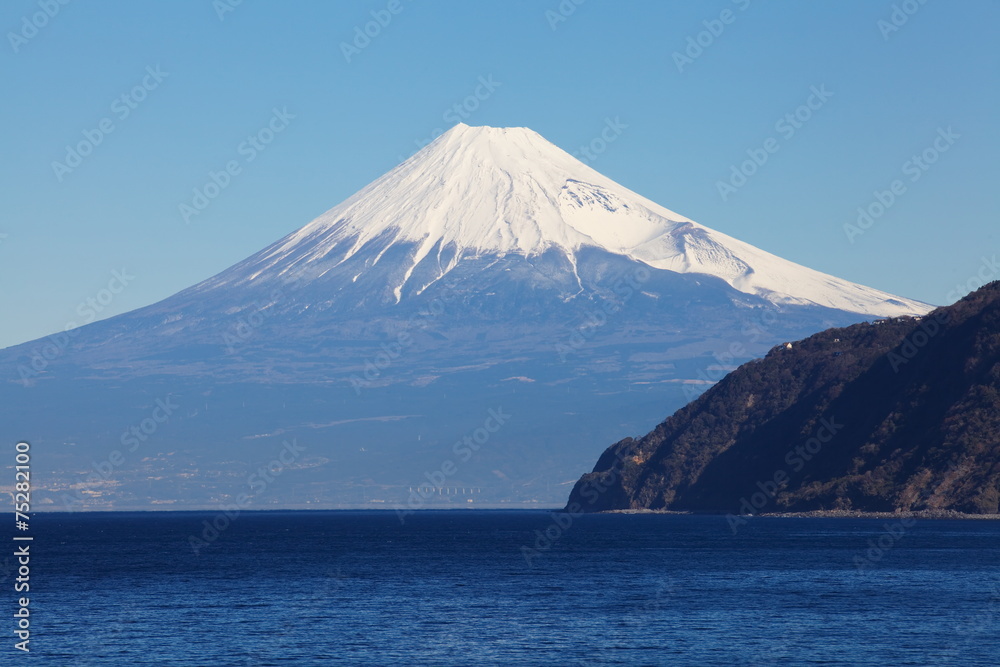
354	120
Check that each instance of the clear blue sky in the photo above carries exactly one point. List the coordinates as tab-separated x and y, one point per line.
892	92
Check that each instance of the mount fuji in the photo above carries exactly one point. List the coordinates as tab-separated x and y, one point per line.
472	328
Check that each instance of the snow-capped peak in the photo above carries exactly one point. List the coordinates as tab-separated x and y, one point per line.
495	190
489	190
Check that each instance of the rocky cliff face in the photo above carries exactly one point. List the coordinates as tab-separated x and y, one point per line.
900	414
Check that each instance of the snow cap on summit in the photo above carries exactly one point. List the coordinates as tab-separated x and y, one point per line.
498	190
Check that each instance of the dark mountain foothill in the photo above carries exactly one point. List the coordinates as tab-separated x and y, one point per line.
899	415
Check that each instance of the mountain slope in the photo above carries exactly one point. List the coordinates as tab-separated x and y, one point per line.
484	191
896	415
490	271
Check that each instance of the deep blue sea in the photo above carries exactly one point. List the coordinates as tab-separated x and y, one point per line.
456	588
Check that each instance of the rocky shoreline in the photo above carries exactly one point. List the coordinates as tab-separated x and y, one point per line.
829	514
853	514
